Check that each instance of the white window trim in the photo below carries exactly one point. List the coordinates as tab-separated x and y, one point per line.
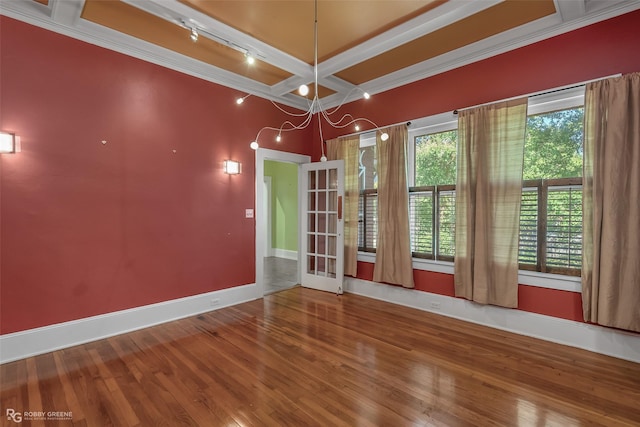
561	99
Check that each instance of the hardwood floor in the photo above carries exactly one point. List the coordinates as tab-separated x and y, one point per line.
303	357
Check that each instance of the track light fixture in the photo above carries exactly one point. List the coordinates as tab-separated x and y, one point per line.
315	106
197	30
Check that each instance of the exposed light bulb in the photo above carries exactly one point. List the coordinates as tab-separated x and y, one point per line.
366	95
194	34
278	138
384	136
254	145
239	101
323	158
303	90
357	128
250	59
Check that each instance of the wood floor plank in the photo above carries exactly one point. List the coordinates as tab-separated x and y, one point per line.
303	357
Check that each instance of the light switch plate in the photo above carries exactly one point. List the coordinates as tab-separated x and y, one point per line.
248	213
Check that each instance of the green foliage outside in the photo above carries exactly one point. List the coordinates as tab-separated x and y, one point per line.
553	149
436	158
554	144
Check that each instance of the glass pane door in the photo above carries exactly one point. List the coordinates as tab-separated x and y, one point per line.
322	225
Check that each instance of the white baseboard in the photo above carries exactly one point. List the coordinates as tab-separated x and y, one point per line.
19	345
611	342
284	253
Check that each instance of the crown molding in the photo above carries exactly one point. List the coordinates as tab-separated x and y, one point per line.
63	17
524	35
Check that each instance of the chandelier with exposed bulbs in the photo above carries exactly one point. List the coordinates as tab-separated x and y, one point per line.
302	120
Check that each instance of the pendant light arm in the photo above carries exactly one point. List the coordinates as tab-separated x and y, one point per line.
315	106
315	53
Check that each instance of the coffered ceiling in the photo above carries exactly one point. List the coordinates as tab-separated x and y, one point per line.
362	45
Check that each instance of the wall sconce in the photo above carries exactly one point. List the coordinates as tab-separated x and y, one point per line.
231	167
7	142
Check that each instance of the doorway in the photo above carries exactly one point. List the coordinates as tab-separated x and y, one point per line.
277	264
281	223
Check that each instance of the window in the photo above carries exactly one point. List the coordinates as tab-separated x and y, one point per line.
551	214
432	198
368	202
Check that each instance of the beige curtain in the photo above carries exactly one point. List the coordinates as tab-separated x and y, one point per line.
488	196
611	203
393	248
348	149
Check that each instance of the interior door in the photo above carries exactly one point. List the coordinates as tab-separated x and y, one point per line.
322	225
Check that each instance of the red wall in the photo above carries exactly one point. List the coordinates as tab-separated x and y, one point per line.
599	50
88	228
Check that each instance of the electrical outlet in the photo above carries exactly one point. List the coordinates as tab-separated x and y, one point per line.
435	305
215	301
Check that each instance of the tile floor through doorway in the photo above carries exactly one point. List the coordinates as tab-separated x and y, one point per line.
279	274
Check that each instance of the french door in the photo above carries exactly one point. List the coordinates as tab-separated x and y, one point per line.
322	225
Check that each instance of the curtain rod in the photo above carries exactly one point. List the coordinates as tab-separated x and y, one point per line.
544	92
530	95
371	130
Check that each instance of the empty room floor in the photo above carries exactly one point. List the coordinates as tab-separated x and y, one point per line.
304	357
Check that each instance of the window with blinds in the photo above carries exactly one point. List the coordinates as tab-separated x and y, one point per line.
551	226
367	220
550	238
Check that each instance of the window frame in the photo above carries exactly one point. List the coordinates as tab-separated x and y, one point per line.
554	100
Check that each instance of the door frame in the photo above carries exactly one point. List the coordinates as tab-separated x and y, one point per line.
268	215
263	154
